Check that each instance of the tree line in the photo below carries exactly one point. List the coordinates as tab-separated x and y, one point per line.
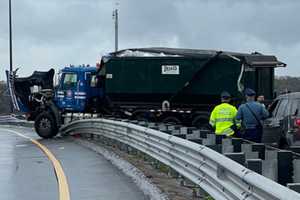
287	83
4	98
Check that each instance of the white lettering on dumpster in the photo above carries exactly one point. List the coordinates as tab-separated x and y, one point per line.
109	76
170	69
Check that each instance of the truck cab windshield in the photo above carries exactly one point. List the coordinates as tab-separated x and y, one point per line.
70	81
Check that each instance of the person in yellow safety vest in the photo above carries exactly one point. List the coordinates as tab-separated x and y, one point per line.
223	117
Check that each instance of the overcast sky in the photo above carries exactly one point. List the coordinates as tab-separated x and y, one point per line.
55	33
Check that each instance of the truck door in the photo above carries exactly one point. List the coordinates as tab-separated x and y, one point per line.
68	88
273	125
96	85
95	90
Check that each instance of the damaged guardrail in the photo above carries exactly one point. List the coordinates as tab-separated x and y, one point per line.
218	175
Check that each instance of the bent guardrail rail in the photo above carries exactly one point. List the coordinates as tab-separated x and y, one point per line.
218	175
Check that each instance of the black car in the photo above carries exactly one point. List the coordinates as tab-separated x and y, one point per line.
283	126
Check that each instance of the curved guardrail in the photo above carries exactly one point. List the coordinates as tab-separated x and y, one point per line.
218	175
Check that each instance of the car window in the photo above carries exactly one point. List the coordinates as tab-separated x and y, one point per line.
70	81
281	111
295	106
273	107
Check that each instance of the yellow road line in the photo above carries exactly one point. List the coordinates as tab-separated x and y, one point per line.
63	186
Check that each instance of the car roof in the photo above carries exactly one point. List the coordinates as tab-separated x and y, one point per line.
294	95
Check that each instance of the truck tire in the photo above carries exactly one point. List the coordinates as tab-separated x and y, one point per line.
202	123
143	115
171	120
45	125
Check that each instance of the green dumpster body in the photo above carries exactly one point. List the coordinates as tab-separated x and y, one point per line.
152	80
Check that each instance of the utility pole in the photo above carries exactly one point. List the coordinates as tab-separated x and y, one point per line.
10	50
10	40
115	17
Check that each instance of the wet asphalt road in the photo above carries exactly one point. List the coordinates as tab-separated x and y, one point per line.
26	173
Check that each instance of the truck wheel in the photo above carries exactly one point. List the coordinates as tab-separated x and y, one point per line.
201	123
143	116
171	120
45	125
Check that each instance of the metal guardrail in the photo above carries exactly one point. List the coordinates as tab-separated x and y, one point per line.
218	175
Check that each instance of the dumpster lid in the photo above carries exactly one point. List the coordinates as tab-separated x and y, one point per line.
253	60
263	61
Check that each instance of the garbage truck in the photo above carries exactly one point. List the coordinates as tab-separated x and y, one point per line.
154	84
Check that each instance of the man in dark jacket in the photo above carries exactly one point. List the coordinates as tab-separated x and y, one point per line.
252	114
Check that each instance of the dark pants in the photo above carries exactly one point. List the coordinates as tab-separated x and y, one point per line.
254	135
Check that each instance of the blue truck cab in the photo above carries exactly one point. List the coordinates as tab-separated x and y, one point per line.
77	90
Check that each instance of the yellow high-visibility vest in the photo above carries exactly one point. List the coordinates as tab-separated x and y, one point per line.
222	118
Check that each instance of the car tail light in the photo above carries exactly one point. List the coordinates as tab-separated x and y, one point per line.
297	122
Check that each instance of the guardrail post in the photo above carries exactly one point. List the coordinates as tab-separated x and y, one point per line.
255	165
210	139
174	127
152	125
194	135
260	148
269	165
178	133
294	186
204	133
237	157
237	144
219	139
187	130
285	167
162	127
296	164
227	146
247	149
